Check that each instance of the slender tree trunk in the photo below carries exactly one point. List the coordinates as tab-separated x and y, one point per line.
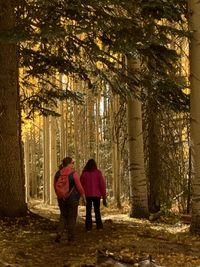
98	127
83	132
33	173
39	158
27	166
46	156
138	182
12	180
194	25
113	146
62	125
76	119
53	153
91	125
53	159
154	154
116	161
189	181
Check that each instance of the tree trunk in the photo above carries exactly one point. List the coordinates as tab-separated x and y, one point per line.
98	134
46	160
138	183
12	181
116	161
27	166
154	157
53	159
194	24
63	128
76	119
33	172
91	125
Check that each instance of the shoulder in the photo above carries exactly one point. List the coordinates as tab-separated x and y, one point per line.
84	173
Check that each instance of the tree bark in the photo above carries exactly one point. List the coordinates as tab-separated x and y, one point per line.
154	157
116	161
46	160
91	125
138	182
194	25
53	160
12	181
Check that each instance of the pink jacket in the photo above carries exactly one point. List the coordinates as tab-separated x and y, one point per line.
93	183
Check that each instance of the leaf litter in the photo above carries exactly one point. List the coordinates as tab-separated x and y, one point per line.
124	241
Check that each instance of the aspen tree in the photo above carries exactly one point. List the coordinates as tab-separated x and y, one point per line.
46	160
138	182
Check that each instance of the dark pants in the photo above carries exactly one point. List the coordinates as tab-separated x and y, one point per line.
68	216
96	203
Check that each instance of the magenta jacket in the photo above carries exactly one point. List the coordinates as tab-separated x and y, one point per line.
93	183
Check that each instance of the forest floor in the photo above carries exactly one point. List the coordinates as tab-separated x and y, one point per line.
29	241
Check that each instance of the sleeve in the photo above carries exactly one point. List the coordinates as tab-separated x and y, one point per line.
102	185
78	184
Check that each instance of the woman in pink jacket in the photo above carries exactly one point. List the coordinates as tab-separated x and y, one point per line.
94	186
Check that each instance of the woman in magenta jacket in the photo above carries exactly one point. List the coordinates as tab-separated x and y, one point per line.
94	186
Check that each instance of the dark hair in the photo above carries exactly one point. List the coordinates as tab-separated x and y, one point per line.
66	161
90	165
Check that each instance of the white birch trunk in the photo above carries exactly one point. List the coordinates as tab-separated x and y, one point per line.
63	125
53	159
91	125
138	182
76	130
46	156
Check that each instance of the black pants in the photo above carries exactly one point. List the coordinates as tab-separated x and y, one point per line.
68	216
96	203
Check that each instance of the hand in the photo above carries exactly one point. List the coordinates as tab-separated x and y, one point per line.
105	202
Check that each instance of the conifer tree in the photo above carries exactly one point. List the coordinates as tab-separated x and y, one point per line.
12	183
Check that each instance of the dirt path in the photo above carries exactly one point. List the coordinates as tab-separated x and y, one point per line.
29	242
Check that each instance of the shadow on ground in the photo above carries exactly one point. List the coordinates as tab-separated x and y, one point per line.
29	241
